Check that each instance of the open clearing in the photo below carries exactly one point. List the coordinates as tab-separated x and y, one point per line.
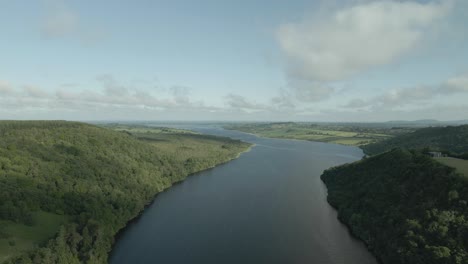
17	238
459	164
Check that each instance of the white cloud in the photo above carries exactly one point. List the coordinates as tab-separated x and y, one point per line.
283	103
357	103
241	103
180	94
456	84
408	96
35	92
111	86
337	44
310	91
401	97
5	88
111	94
115	99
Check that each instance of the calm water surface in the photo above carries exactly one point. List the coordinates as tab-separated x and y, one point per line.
268	206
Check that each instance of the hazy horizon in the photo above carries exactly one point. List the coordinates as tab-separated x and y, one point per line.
270	121
215	61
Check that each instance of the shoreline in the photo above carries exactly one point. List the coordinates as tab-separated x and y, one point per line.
135	219
348	227
350	231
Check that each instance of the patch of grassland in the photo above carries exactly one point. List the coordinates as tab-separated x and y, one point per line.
17	238
459	164
338	134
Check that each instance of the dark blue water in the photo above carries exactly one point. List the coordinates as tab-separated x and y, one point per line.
268	206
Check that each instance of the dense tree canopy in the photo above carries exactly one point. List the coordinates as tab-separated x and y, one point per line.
98	178
405	206
452	140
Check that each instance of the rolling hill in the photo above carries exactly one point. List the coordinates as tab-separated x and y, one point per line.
451	139
67	188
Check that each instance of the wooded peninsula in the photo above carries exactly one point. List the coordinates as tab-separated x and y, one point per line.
67	188
407	206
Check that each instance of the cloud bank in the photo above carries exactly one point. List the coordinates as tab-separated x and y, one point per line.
337	44
410	96
114	98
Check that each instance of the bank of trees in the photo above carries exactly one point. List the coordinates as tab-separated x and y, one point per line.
99	178
452	140
405	206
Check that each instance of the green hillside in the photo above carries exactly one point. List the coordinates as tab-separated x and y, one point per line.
66	188
450	139
407	207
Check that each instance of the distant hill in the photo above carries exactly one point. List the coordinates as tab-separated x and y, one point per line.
427	122
67	188
450	139
407	207
422	121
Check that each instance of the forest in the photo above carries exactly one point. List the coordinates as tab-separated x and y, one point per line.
407	207
67	188
451	140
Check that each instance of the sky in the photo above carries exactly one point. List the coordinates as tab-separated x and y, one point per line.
215	60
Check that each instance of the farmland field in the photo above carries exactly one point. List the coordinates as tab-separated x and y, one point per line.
344	134
459	164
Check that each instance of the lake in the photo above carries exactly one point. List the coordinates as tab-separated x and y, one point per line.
268	206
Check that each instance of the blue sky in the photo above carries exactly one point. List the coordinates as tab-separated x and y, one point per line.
234	60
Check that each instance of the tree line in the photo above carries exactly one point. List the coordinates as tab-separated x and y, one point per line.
450	140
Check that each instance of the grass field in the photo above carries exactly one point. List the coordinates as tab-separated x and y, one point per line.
17	238
345	135
459	164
